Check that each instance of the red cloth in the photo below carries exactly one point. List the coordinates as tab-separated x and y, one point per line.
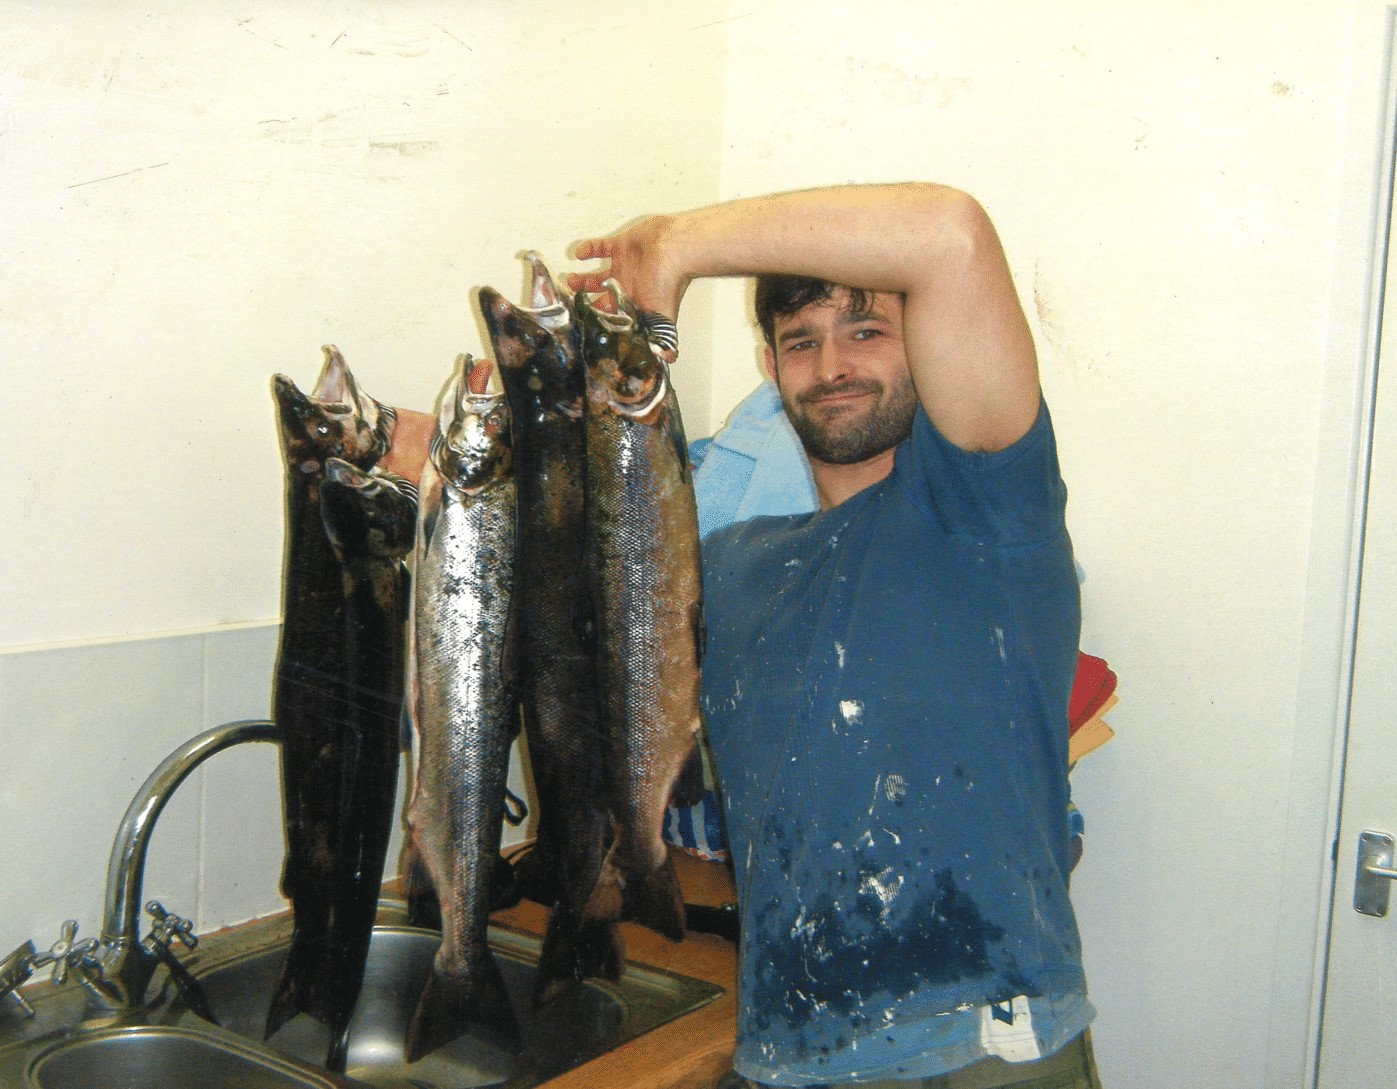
1090	690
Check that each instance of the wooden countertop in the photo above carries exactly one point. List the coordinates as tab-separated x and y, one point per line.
693	1051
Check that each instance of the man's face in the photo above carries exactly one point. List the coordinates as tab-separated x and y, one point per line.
843	377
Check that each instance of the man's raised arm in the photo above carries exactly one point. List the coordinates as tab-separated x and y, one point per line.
969	347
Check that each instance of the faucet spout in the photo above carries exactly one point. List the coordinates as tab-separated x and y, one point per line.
128	965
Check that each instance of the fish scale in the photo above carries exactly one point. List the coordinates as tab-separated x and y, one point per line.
318	701
544	380
463	705
643	559
370	520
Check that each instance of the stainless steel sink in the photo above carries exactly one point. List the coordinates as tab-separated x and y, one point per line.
66	1044
163	1058
589	1022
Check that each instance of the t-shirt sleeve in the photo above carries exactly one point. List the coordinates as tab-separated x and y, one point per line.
1010	498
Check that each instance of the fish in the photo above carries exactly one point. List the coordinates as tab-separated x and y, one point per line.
313	699
371	522
642	552
463	703
536	350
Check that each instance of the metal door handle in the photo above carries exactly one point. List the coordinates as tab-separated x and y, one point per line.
1375	870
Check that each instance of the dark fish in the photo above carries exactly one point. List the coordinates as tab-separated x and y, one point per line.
545	384
643	560
371	520
314	702
463	704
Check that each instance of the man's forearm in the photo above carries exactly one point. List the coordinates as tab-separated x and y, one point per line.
880	237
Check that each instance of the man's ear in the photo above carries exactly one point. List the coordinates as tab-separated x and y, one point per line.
769	358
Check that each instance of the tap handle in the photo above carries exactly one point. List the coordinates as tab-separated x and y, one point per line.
67	952
167	927
14	970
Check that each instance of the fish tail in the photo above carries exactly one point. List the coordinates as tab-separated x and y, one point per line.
451	1006
651	897
293	989
338	1056
576	949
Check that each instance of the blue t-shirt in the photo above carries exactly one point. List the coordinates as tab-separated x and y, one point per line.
885	689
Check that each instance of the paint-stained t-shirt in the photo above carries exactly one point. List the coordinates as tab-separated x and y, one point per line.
885	688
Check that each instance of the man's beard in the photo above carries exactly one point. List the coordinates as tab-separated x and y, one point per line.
846	437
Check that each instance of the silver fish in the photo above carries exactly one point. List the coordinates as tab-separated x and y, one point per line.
464	712
643	559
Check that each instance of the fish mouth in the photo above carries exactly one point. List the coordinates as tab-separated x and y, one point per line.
341	472
548	306
335	383
336	391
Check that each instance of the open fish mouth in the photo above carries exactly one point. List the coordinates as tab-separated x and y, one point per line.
337	392
548	306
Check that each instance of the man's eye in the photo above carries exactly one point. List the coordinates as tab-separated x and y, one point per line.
867	333
800	346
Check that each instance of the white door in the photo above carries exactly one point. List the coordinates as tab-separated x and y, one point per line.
1358	1043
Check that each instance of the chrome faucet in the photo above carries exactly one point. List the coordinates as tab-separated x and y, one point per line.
126	963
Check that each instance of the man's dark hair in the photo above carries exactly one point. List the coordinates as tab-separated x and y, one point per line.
780	294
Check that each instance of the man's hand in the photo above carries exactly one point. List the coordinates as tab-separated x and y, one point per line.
412	439
640	258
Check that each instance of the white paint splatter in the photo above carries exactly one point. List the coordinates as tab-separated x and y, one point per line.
852	710
885	885
999	641
895	786
839	651
895	837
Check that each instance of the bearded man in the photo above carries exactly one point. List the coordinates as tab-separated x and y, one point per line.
886	680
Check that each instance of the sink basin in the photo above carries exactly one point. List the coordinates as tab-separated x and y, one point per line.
591	1020
163	1058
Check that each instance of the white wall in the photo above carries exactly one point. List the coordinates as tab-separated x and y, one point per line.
197	198
194	198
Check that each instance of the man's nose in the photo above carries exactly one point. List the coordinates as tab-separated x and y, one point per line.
832	365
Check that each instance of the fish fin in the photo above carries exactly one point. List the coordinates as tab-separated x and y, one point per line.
651	898
574	950
688	788
700	632
450	1008
655	900
674	430
504	885
535	877
423	908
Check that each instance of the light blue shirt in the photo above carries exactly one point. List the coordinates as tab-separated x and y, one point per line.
753	465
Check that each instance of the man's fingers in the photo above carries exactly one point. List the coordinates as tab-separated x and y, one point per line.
587	281
589	248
